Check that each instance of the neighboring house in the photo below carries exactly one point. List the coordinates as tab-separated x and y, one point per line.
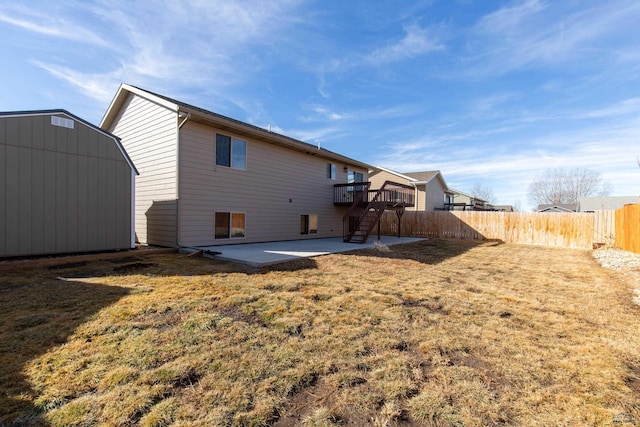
567	207
206	179
458	201
593	204
66	186
430	186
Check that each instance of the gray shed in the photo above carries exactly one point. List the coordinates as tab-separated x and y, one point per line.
66	186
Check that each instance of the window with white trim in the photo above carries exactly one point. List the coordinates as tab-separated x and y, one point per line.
231	152
353	176
308	224
331	171
229	225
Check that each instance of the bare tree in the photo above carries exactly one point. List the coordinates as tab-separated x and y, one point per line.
483	192
557	186
517	207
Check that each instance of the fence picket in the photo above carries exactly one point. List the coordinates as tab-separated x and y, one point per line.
627	221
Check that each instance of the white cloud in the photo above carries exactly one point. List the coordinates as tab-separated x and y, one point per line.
99	87
204	44
536	33
417	41
50	26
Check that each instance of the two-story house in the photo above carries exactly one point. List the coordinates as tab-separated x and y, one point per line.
206	179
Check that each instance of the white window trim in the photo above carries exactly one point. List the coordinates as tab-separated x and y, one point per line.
229	237
231	139
308	231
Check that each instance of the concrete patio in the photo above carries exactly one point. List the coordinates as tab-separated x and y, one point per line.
262	254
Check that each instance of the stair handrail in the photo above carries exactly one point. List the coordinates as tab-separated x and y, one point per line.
372	203
357	200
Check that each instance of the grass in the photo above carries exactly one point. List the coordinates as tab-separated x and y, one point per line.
437	333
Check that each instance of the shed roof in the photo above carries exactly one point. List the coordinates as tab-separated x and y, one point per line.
222	122
34	113
591	204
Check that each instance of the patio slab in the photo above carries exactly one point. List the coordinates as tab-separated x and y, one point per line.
263	254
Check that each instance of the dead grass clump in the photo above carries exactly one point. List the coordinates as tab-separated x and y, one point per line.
433	333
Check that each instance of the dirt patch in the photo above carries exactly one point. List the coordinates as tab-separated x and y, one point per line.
240	316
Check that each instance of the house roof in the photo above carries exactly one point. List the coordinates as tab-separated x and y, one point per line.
416	177
191	112
398	174
565	207
77	119
425	176
591	204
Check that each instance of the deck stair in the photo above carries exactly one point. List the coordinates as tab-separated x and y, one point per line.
358	227
366	222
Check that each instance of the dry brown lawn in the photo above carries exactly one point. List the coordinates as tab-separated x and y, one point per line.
437	333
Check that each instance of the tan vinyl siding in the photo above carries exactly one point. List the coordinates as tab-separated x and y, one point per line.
421	199
60	189
379	177
274	175
435	195
148	132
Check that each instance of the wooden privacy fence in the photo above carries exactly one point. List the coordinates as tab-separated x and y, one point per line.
604	227
628	228
568	230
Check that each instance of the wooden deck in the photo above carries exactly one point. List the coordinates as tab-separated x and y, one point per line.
393	194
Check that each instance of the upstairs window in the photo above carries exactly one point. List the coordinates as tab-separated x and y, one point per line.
331	171
231	152
354	176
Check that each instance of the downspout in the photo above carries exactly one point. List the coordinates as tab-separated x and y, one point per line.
186	116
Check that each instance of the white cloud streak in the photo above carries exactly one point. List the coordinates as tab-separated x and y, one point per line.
536	33
51	26
416	41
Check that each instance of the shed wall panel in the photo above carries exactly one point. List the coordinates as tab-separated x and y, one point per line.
72	203
3	192
50	202
24	209
61	201
38	211
83	204
12	187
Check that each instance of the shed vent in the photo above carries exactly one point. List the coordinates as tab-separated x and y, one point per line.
62	122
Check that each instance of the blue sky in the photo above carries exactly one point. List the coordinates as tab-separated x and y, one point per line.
488	92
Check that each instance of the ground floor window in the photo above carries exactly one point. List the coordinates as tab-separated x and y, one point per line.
229	225
308	224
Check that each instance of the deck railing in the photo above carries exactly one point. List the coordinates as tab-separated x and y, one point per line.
346	194
391	193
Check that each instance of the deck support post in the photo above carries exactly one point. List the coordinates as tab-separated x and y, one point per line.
399	214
